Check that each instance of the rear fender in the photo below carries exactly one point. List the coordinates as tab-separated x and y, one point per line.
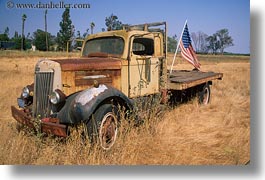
82	105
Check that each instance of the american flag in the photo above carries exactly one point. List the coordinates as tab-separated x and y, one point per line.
187	50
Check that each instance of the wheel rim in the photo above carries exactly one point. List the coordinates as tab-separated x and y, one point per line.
205	96
108	130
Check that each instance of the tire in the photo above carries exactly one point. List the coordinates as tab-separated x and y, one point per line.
103	126
205	95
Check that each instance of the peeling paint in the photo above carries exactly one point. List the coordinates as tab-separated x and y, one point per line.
87	95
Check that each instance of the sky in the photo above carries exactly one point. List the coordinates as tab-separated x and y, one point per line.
207	16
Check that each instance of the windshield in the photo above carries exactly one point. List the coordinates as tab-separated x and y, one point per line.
106	45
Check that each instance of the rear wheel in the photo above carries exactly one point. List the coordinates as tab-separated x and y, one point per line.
103	126
205	94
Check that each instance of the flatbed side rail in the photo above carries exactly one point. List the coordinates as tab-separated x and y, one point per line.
180	80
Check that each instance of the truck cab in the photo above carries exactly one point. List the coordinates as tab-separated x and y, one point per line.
139	52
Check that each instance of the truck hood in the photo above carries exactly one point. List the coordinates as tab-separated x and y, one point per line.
91	63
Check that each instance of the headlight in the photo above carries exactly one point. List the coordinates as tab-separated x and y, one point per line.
57	96
25	92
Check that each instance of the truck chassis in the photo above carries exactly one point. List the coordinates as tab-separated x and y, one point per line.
115	69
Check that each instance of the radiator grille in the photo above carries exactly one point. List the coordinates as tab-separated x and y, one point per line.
43	88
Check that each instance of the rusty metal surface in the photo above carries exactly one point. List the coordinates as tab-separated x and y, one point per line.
95	63
54	128
164	96
48	125
22	117
103	77
74	81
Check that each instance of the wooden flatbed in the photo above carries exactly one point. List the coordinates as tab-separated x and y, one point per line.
184	79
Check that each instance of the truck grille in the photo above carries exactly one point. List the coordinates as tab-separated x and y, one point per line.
43	88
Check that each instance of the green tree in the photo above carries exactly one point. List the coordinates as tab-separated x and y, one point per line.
219	41
53	45
39	39
66	32
113	23
213	43
4	37
172	43
224	39
92	25
6	31
85	34
78	43
24	17
15	34
78	34
17	39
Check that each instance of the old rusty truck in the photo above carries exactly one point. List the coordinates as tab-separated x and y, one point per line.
115	69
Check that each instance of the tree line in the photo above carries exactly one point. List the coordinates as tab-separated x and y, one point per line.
68	38
205	44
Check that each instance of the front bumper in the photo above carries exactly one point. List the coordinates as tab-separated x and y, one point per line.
47	125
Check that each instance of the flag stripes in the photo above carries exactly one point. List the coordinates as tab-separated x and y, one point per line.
187	50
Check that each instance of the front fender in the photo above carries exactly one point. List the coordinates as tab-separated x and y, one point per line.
80	106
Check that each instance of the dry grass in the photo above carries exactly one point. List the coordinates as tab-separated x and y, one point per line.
216	134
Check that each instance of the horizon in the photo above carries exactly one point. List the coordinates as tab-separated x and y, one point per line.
206	16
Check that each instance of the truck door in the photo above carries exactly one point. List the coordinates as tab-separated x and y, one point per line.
143	67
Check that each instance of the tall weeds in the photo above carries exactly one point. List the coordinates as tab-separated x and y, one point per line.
188	134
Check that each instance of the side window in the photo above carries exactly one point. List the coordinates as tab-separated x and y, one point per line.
143	46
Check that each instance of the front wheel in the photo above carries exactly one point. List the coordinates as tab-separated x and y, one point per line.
205	94
103	125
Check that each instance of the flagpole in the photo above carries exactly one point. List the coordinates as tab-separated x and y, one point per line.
171	68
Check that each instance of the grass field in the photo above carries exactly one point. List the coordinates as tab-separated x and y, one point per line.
189	134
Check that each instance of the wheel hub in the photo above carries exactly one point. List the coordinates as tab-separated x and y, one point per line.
108	131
